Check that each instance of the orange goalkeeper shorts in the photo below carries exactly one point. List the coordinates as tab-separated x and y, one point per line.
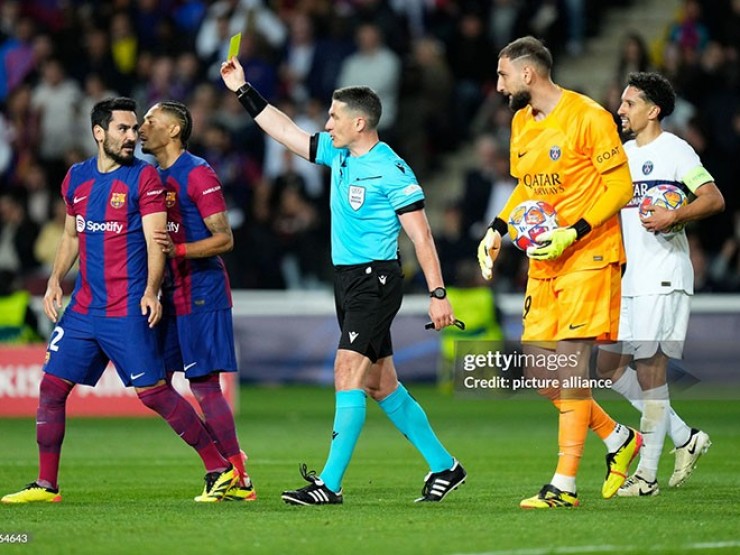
577	305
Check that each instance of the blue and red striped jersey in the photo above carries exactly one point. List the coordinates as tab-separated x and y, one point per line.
107	208
193	192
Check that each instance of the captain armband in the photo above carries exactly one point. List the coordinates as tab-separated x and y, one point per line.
697	177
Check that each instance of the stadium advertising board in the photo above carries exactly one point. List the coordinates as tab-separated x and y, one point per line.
21	371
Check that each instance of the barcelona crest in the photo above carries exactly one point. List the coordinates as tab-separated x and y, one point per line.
170	198
117	200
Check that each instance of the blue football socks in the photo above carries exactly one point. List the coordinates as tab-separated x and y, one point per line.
349	417
408	416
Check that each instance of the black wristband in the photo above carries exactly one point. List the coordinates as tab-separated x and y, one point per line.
499	225
582	227
251	99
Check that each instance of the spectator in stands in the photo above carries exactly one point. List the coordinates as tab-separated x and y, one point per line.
425	126
376	66
298	57
37	193
454	245
124	43
634	56
487	186
45	246
17	235
55	100
96	89
97	58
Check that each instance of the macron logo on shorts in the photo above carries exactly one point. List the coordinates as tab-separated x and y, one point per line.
352	336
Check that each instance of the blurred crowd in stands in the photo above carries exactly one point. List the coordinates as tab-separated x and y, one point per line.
433	63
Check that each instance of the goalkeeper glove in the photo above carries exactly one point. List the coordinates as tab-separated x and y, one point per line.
553	243
488	250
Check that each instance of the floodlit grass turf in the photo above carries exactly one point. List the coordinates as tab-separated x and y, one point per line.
128	486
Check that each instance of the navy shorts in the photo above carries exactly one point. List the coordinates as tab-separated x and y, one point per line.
81	346
368	297
199	343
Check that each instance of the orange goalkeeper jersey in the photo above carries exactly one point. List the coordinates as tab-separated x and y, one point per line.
560	160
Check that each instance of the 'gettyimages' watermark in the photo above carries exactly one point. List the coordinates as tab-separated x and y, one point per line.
705	369
502	372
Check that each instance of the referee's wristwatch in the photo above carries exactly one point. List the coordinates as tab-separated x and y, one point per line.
438	293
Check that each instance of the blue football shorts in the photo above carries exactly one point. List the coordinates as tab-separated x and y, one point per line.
199	343
81	346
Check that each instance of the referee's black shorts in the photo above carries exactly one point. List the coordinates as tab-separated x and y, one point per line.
367	298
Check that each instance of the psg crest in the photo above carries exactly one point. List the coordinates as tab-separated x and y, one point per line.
356	196
555	153
117	200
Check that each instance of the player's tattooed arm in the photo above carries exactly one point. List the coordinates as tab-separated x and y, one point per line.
220	241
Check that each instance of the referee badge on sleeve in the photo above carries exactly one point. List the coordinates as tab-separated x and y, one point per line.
356	196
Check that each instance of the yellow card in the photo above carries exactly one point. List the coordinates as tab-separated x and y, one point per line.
236	41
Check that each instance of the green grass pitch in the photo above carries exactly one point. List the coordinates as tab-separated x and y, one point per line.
128	486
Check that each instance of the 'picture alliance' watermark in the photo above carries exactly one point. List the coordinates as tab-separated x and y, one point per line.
480	368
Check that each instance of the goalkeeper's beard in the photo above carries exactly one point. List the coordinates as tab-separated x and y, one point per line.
519	100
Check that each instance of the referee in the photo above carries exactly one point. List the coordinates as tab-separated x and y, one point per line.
373	194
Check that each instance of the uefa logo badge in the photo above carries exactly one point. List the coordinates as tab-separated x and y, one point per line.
555	153
647	168
117	200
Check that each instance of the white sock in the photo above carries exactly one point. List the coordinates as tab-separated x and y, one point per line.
653	425
628	386
564	483
679	431
617	438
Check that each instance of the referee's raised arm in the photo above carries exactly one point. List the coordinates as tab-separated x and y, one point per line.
271	120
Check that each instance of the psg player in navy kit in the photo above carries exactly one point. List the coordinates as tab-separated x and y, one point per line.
115	202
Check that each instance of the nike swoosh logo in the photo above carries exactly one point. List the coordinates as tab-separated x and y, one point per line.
692	449
189	366
137	376
520	154
78	199
368	178
572	327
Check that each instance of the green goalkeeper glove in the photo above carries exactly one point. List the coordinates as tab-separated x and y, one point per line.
553	243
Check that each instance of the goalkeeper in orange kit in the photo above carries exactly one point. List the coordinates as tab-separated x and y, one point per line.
565	150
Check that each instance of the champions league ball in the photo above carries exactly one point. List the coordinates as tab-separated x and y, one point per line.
667	196
529	220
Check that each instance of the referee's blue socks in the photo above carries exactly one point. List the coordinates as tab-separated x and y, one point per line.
412	421
349	417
